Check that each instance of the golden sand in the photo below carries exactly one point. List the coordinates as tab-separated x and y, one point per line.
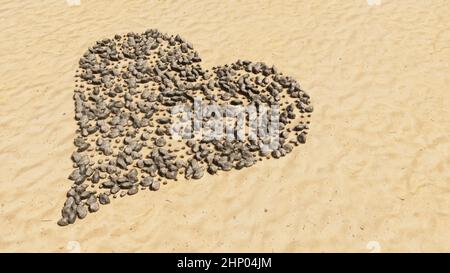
373	176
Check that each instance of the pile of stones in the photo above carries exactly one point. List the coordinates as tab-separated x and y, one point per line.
126	88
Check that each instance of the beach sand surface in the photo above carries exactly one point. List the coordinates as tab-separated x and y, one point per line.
374	175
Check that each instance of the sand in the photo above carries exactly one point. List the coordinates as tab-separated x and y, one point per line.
373	176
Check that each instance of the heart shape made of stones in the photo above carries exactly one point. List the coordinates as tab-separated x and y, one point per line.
126	92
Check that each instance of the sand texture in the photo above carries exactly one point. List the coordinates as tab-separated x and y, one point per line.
374	174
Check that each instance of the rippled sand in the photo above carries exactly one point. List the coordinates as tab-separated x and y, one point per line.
373	176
